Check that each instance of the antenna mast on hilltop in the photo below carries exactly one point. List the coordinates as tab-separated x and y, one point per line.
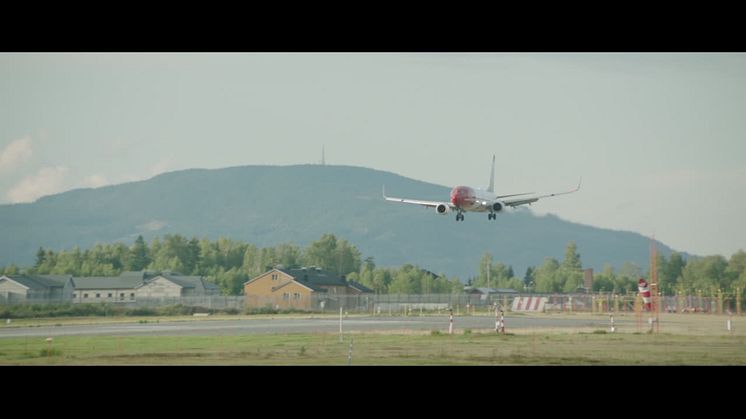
323	161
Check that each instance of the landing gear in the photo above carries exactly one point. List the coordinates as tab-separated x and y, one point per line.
492	216
459	217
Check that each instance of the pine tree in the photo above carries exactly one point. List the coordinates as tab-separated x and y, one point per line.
40	255
139	255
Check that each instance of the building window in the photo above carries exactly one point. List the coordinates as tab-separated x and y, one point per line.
98	295
285	296
109	295
274	277
297	296
75	295
121	296
85	295
132	296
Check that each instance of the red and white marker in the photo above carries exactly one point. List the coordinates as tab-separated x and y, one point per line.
644	289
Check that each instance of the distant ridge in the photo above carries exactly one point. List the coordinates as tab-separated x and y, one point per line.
269	205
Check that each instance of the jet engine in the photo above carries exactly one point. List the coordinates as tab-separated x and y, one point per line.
442	209
498	206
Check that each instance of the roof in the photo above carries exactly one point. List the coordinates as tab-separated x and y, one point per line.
315	277
506	290
107	282
484	290
358	286
40	281
479	290
140	274
189	281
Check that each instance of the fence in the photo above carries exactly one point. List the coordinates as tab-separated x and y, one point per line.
407	303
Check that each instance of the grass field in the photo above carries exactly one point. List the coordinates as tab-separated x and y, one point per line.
684	340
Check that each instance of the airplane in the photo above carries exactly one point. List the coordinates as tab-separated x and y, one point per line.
466	199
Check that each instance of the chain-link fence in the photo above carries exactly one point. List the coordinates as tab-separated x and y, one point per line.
395	304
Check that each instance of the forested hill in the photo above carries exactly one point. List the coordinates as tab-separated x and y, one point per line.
269	205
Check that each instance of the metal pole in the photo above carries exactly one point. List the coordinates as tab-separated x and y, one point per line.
497	320
340	324
450	323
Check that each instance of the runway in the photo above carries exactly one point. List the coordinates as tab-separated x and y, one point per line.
208	327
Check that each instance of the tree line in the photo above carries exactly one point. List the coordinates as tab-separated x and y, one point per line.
230	263
674	273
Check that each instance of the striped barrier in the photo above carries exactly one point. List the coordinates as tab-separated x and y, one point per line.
529	303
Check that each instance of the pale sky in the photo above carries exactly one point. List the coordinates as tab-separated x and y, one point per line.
658	138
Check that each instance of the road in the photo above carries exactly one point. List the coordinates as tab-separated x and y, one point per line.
207	327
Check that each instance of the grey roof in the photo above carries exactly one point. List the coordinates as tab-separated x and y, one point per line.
358	286
140	274
210	285
190	281
40	281
315	277
485	290
480	290
107	282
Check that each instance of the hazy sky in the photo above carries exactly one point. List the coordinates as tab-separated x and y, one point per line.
658	138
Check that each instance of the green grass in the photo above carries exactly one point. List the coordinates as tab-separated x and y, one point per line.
684	340
420	348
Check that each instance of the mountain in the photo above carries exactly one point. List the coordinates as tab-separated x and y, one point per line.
269	205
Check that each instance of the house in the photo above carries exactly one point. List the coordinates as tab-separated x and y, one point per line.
36	288
106	289
303	288
174	285
129	286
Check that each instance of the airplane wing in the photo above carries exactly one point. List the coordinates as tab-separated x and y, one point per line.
429	204
515	194
521	201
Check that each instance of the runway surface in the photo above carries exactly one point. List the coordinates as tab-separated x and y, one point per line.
301	325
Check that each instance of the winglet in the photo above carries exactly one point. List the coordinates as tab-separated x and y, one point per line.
384	191
579	182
